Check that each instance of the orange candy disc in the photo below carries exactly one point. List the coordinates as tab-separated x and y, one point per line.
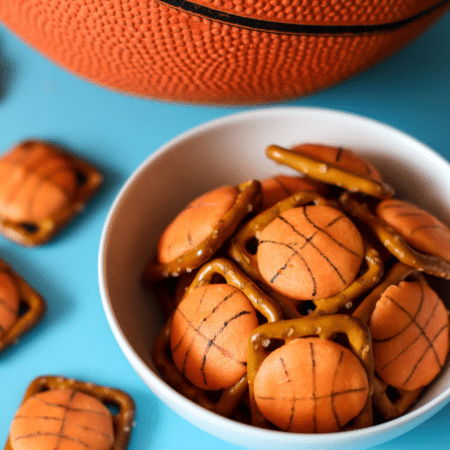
209	336
63	418
310	252
311	385
195	223
9	302
34	183
420	229
279	187
341	157
409	328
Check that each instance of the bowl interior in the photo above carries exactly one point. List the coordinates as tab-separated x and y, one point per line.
229	151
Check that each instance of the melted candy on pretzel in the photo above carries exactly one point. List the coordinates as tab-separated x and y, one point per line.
35	182
278	187
9	302
420	229
310	252
311	385
195	222
62	418
342	157
209	335
409	328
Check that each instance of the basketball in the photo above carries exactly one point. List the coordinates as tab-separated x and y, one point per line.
219	51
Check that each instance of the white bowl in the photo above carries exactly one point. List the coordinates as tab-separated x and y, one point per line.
227	151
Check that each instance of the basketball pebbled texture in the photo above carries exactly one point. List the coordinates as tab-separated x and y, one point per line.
219	51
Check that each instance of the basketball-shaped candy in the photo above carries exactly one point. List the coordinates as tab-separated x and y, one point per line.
420	229
209	336
310	252
279	187
64	419
311	385
343	158
214	51
9	302
195	223
409	329
35	182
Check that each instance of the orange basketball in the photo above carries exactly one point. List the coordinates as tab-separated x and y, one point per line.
219	51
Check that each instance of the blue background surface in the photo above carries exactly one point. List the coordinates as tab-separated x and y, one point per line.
410	91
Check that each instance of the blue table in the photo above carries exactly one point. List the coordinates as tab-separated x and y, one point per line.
410	91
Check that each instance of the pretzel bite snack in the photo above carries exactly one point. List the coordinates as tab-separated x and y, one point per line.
310	252
41	188
198	232
204	345
67	414
409	328
333	165
419	228
311	383
415	226
21	307
210	329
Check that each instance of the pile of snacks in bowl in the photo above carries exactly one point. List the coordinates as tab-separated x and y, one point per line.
302	303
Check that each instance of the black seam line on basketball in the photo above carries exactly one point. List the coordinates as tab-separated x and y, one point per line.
423	334
294	253
194	207
62	437
333	406
57	419
63	421
316	397
430	226
176	346
30	169
71	409
412	317
310	242
288	379
339	152
189	325
328	225
430	346
211	342
293	28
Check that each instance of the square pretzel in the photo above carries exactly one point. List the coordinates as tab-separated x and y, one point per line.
122	420
240	252
326	327
89	180
31	309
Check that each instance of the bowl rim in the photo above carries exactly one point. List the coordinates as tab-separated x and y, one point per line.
161	388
